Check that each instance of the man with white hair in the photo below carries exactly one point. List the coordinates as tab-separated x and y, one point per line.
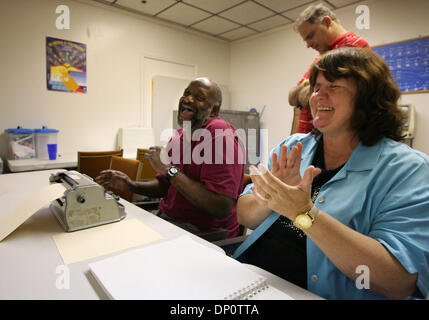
322	31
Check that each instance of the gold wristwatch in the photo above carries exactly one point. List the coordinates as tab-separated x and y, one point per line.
305	220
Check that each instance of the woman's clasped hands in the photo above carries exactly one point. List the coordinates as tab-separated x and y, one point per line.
283	189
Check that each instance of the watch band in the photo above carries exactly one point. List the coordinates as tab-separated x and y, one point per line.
313	212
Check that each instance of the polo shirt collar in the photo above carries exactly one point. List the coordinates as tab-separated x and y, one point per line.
363	157
205	124
339	39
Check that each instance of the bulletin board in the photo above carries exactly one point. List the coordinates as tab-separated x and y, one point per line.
409	63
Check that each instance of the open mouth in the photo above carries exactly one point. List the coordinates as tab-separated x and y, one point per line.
322	116
186	109
186	113
325	109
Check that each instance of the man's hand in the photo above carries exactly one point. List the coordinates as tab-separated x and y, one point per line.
156	159
293	96
114	179
299	95
304	97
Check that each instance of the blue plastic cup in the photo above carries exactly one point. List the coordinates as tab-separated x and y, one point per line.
52	151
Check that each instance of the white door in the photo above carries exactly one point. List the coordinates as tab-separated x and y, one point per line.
152	67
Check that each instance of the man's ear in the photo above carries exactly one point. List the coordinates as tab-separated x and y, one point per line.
215	111
327	21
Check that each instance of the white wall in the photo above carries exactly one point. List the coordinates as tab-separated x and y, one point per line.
264	68
116	44
259	71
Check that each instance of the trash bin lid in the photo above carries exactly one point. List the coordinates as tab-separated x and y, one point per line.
19	130
46	130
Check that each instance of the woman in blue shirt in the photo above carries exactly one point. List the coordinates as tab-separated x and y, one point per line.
344	213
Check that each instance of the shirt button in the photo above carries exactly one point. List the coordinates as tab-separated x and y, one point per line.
321	199
314	278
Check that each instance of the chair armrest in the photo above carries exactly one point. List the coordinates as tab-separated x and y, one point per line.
213	235
231	244
230	241
147	205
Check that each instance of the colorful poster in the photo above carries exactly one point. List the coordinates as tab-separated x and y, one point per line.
65	65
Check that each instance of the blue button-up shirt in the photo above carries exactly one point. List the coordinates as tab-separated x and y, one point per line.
382	192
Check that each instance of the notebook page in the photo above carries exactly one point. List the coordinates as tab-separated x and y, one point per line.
175	269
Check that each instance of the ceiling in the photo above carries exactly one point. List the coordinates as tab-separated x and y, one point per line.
229	20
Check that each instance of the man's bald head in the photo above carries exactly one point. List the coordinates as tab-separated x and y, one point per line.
200	101
216	90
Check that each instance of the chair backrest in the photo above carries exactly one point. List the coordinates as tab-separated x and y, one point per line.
147	172
246	180
93	162
128	166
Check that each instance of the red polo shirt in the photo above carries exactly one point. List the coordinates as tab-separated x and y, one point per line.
348	39
221	172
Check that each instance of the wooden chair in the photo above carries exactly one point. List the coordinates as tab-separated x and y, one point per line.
131	168
147	172
246	180
92	163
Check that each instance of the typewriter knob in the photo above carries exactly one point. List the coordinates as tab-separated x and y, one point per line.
80	198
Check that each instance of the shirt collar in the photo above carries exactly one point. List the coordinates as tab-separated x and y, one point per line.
339	39
205	124
363	157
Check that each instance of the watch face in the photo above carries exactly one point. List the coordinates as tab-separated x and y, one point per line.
303	221
173	170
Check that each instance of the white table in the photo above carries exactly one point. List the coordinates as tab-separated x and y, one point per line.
68	160
30	259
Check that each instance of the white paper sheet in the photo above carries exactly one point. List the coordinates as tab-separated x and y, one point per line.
15	217
94	242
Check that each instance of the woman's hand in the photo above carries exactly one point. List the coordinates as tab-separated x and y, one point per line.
287	200
287	166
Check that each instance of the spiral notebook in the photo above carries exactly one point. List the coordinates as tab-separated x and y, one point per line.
180	269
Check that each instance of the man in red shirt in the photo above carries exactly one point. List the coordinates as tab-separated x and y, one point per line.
203	176
321	30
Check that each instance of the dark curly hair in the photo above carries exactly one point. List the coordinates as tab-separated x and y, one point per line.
377	113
